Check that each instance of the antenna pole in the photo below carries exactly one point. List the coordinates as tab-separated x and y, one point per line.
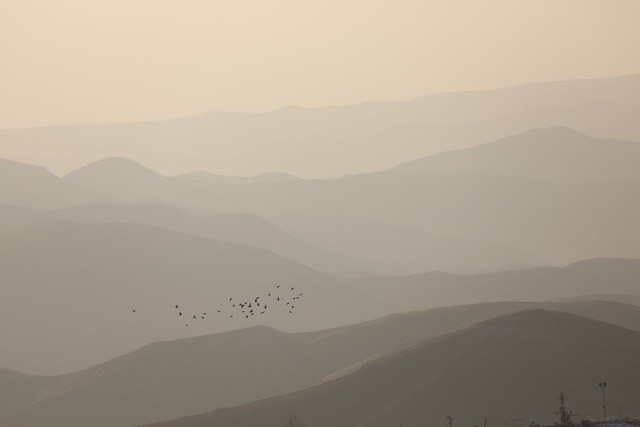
603	385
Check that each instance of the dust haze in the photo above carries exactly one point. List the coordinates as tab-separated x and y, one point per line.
278	213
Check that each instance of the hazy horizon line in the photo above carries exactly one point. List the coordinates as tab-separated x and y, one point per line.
328	106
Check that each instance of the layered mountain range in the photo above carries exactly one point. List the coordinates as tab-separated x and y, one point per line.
193	375
470	255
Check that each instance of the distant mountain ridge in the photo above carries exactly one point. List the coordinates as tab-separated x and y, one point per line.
262	178
244	229
556	154
475	282
330	141
117	172
477	207
34	186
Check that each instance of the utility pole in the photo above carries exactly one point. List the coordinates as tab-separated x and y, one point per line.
450	422
603	385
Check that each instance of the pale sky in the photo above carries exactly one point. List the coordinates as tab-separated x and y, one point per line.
99	61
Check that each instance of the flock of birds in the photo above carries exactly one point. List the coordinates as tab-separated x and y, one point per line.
280	297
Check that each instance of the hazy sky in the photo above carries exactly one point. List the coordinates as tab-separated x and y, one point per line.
96	61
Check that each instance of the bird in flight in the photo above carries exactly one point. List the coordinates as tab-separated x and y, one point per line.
257	304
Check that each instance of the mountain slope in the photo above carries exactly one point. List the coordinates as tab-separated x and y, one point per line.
69	281
590	277
18	391
193	375
117	175
597	118
320	142
564	222
505	368
162	380
34	186
404	250
244	229
556	154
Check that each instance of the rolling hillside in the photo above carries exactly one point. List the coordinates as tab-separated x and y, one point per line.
244	229
556	154
35	186
525	359
84	278
330	141
193	375
564	222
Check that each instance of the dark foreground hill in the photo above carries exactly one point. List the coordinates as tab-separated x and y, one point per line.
170	379
502	369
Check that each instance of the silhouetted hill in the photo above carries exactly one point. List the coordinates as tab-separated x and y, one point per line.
626	299
122	176
535	217
244	229
34	186
67	281
188	376
510	367
331	141
590	277
11	169
556	154
597	118
396	331
127	169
